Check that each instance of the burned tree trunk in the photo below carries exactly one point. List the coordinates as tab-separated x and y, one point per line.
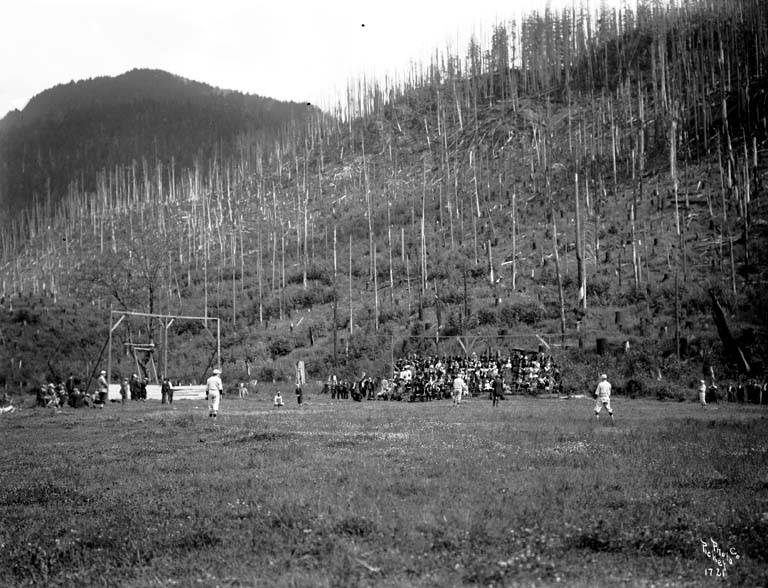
729	342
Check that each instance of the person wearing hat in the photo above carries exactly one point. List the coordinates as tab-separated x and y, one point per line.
603	397
125	389
459	389
103	389
213	391
702	393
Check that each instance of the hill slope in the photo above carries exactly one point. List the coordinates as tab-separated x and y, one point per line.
72	131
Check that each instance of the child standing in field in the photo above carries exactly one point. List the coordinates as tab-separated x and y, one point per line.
603	397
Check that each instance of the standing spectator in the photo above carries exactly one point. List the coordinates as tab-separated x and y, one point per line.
214	388
702	393
135	387
603	397
498	389
125	389
166	391
70	385
103	389
242	390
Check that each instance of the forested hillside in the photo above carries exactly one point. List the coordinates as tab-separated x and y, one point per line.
579	176
66	135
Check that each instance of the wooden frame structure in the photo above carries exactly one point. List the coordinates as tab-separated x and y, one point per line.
167	320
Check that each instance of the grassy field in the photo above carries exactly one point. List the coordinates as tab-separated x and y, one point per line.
338	493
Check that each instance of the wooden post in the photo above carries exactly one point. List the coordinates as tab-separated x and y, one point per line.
109	354
677	317
559	280
514	241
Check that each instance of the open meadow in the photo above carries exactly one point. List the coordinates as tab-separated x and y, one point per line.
339	493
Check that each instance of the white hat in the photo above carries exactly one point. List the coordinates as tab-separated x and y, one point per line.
603	377
216	371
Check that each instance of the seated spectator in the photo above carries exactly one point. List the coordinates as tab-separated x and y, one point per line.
278	399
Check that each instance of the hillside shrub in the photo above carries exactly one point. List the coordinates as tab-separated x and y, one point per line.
668	391
314	274
599	290
265	373
453	325
280	346
520	312
310	297
486	316
635	389
478	271
451	294
388	314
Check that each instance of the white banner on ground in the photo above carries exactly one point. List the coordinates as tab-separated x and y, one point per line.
191	392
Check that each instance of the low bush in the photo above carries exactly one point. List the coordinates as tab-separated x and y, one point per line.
520	312
280	346
486	316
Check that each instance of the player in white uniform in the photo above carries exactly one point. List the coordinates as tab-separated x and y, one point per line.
214	388
459	389
603	397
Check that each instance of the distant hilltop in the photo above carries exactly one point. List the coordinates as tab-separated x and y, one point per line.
73	130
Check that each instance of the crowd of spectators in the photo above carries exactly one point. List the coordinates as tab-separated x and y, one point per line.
421	378
72	392
67	393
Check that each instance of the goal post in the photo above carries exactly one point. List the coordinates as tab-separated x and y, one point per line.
167	320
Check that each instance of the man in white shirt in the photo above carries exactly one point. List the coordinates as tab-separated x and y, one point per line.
459	389
603	397
103	393
213	389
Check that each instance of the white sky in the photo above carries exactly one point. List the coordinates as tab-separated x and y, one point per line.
286	49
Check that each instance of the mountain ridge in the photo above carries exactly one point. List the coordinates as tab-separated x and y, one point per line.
72	130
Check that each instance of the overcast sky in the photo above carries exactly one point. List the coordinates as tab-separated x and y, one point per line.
287	49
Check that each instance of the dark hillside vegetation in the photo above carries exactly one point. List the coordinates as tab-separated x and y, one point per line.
584	176
66	135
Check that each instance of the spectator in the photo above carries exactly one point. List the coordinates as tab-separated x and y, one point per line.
103	391
125	389
166	391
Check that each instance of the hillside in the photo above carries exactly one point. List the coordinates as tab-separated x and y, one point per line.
66	135
477	201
